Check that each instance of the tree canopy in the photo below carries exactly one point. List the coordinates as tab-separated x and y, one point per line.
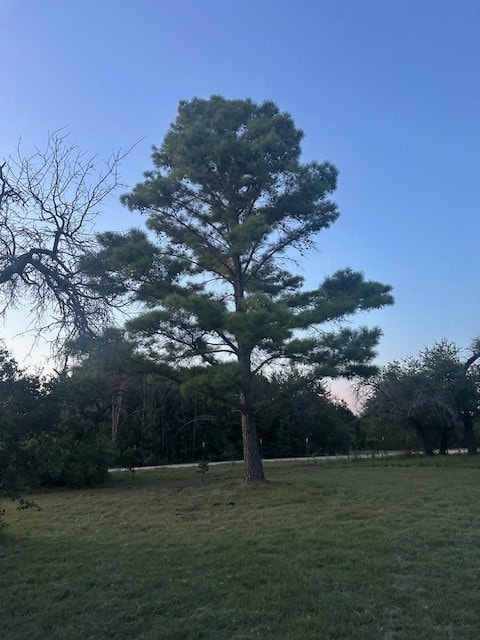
432	394
228	200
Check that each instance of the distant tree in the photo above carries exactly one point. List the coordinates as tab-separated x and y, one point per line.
48	202
25	417
458	380
44	440
105	364
435	393
297	416
228	200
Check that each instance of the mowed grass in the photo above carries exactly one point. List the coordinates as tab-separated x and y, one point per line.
367	550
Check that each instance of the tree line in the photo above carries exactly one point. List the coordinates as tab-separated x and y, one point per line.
112	407
115	407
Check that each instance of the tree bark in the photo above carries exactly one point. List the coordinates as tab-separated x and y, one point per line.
251	445
469	435
427	447
117	399
443	441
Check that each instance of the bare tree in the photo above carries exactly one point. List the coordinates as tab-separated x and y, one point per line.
48	203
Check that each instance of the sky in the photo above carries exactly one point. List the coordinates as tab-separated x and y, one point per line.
389	91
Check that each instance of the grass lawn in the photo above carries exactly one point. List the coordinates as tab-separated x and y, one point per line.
364	550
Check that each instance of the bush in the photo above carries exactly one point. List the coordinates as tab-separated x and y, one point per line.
78	459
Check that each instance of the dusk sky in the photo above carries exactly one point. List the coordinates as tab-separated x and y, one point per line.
387	90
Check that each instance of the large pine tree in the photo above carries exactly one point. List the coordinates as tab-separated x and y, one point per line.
228	200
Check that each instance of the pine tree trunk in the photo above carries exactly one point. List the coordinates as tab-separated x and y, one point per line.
469	435
251	447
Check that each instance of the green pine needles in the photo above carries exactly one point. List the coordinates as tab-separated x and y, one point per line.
228	199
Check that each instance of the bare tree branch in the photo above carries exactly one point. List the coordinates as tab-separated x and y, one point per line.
48	204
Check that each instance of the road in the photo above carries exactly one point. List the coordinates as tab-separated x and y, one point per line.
356	456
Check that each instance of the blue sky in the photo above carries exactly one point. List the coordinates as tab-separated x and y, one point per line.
389	91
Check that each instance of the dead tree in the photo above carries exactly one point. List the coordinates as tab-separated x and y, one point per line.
48	204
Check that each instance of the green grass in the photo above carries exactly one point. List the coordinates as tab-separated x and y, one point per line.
367	550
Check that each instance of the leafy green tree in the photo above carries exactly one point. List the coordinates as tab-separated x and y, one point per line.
25	419
399	399
457	380
434	395
229	200
44	439
105	366
296	416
